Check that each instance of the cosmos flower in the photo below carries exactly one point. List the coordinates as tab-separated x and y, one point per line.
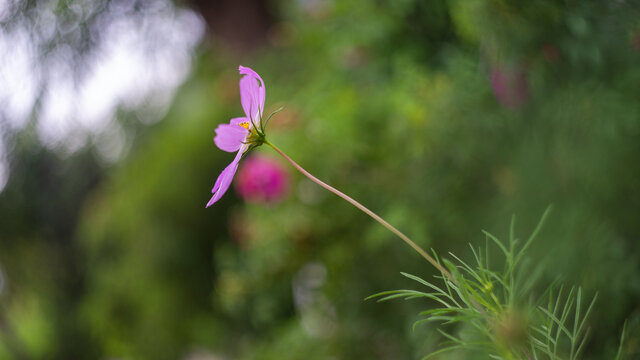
241	134
245	133
263	180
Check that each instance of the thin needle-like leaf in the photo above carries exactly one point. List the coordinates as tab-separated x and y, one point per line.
533	235
619	353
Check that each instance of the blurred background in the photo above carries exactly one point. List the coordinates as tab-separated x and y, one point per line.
445	116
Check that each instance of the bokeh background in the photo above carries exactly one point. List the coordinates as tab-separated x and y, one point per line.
445	116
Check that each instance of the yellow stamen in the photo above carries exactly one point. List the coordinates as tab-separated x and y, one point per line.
244	124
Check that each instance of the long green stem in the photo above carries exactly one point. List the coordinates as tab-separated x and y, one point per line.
377	218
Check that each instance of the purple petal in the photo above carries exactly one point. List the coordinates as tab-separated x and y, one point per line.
224	180
249	97
252	93
230	137
248	71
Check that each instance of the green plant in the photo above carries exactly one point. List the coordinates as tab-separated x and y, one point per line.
500	313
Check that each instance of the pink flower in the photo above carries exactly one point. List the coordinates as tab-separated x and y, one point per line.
243	133
509	85
262	180
635	40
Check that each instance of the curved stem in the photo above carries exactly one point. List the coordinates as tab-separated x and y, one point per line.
377	218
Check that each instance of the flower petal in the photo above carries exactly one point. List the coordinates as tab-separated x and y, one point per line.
224	179
248	71
249	97
230	137
252	93
261	95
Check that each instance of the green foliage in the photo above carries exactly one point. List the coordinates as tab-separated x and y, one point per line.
498	314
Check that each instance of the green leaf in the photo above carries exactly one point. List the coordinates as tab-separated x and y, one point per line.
619	353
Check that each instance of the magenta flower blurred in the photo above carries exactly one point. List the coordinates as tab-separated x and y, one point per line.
509	85
635	40
241	134
262	180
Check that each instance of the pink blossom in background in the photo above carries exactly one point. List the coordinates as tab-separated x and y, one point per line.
550	53
262	179
635	40
509	85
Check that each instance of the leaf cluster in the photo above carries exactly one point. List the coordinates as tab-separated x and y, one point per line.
498	313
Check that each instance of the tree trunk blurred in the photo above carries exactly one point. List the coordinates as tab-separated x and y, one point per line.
241	25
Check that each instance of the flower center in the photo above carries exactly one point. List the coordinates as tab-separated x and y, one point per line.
244	124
